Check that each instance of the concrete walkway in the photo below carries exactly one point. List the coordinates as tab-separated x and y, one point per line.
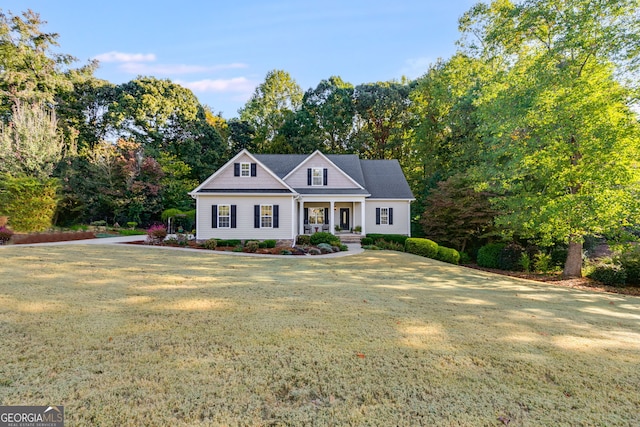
354	248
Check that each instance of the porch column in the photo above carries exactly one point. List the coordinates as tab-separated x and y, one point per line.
301	216
332	228
362	218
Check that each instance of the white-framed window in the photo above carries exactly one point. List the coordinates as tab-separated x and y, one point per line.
266	216
245	169
384	216
224	216
316	215
316	177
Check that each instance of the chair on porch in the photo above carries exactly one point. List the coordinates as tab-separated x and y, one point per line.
325	227
307	229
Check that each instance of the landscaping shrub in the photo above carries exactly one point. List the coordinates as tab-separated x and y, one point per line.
465	258
629	260
609	274
525	262
488	255
390	246
230	243
303	239
5	235
314	251
366	241
423	247
389	238
262	245
132	224
542	262
251	246
371	247
344	248
29	203
325	248
324	237
157	233
448	255
270	243
509	257
286	252
210	244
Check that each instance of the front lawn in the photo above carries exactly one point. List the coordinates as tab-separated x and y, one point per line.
126	335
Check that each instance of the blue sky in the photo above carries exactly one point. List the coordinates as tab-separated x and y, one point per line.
223	50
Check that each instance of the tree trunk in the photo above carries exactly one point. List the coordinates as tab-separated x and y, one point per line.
573	265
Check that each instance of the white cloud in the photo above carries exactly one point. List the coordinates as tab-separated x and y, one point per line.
114	56
416	67
173	69
236	84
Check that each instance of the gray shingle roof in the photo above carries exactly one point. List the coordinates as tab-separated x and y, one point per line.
385	180
382	179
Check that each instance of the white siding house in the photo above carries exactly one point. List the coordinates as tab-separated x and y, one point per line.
273	196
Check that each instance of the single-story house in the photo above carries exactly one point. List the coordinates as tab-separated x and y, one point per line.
279	196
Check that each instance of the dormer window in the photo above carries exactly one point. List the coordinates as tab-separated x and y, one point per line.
317	177
245	169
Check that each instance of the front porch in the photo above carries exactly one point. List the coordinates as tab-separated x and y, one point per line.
335	216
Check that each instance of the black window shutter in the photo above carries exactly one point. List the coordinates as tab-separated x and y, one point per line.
236	169
326	215
276	216
214	216
254	169
309	176
390	216
306	215
377	216
256	216
233	216
325	176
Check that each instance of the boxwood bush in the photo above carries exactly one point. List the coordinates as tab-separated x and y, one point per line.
609	274
629	260
366	241
448	255
423	247
488	255
270	243
324	237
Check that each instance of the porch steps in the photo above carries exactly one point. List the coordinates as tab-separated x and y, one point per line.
349	238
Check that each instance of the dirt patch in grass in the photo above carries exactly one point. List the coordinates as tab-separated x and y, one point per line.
126	335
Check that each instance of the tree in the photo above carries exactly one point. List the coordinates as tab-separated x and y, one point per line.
382	119
30	144
328	114
457	214
268	107
560	138
30	72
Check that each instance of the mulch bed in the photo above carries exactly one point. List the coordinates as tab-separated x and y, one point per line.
22	239
194	245
583	283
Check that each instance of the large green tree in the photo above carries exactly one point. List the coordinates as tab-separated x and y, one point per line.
560	141
270	105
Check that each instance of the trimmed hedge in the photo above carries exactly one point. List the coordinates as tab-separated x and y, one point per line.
423	247
29	203
488	255
448	255
271	243
395	238
366	241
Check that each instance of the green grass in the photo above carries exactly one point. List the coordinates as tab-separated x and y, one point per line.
147	336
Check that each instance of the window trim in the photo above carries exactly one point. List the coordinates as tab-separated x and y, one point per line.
319	177
384	216
220	216
242	169
266	216
314	212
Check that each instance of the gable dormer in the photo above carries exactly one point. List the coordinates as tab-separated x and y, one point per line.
317	171
243	172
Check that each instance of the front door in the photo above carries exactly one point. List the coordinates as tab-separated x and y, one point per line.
344	218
